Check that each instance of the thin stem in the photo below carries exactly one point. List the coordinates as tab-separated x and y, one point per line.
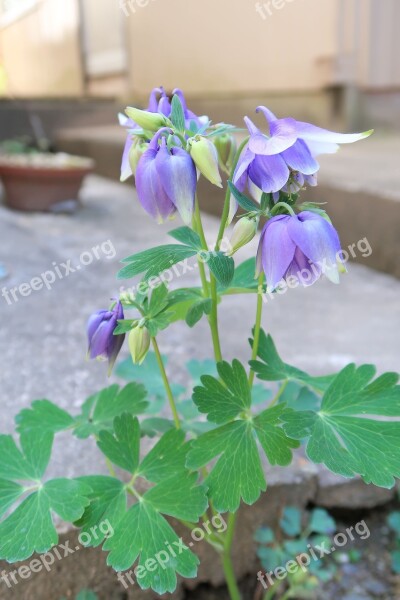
225	211
213	319
166	384
283	205
257	326
227	560
198	227
279	393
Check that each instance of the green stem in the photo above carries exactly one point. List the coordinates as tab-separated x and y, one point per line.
213	319
225	211
198	228
227	560
257	326
166	384
279	393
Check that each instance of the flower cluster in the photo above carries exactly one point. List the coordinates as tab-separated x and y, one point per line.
168	147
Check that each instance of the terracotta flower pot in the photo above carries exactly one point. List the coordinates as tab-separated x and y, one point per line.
37	188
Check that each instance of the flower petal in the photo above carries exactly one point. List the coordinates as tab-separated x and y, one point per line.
177	174
246	157
278	250
316	238
151	193
317	148
126	170
299	158
306	131
269	173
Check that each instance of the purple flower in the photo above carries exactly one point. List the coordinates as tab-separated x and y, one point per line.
166	181
304	246
159	102
286	159
103	344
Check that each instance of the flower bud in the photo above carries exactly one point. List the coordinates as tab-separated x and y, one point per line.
145	119
139	344
205	157
226	148
138	148
243	232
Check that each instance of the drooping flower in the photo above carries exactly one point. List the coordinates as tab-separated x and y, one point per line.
166	181
159	104
286	158
305	246
103	344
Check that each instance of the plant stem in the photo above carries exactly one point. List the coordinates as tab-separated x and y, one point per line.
198	227
227	559
213	319
279	393
257	326
166	383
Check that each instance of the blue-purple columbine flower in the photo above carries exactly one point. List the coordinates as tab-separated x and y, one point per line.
166	181
159	102
285	160
304	246
103	344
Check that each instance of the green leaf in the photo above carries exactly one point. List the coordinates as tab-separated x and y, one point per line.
154	261
148	374
158	300
9	493
160	322
290	522
177	116
87	595
144	534
222	402
43	414
67	497
396	561
99	410
244	276
275	443
122	447
31	461
124	326
154	426
197	368
354	433
243	201
238	473
321	521
187	236
107	507
167	458
222	267
272	368
264	535
197	310
30	527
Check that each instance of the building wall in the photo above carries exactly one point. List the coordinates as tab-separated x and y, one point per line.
40	51
215	46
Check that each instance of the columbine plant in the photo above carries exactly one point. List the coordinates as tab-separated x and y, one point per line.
207	459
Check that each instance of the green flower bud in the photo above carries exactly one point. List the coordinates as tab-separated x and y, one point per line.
138	147
150	121
205	157
226	148
243	232
139	344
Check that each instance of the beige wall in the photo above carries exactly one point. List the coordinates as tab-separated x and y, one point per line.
40	52
218	46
